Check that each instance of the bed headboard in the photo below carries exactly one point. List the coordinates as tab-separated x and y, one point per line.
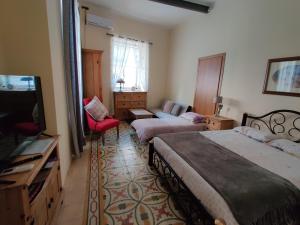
283	122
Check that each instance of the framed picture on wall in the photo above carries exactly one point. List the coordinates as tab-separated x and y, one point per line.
283	77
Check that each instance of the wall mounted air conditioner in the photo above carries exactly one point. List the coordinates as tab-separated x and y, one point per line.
99	21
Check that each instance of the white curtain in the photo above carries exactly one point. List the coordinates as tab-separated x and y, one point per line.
120	52
130	61
142	61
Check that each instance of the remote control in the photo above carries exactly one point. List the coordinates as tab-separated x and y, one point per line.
17	169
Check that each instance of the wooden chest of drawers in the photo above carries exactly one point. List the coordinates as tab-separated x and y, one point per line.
123	101
219	123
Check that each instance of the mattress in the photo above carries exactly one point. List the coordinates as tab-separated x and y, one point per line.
272	159
148	128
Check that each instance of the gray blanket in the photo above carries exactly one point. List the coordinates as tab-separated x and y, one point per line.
255	195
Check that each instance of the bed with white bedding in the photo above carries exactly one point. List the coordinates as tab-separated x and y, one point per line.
148	128
263	154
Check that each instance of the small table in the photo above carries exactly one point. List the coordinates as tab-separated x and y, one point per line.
140	113
219	123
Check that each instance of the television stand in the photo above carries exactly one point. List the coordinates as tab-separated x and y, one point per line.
36	194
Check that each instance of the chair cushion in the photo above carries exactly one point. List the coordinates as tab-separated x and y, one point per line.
106	124
96	109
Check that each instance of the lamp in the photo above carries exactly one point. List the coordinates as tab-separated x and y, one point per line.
120	81
218	100
28	79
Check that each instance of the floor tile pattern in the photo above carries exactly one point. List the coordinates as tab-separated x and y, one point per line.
94	184
133	193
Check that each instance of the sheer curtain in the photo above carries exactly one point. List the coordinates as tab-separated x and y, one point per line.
130	61
120	52
142	62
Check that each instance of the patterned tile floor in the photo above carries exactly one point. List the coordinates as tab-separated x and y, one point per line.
132	192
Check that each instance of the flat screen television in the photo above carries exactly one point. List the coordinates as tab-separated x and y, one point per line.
22	117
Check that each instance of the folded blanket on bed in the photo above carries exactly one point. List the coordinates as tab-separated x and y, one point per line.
255	195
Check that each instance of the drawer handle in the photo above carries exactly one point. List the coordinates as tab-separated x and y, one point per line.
51	200
49	205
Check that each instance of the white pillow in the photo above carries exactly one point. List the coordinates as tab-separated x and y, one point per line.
288	146
259	135
96	109
193	117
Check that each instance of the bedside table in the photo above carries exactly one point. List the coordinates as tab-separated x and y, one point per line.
219	123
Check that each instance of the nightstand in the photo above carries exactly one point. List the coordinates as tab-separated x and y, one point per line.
219	123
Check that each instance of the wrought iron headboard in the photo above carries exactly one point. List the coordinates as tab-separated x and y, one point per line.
284	121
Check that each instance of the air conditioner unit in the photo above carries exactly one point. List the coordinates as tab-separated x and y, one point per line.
99	21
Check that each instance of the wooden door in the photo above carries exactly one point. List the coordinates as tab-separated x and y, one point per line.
208	85
91	66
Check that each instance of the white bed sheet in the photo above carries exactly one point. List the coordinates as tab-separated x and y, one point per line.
270	158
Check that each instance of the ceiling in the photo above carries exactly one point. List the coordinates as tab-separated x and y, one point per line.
149	11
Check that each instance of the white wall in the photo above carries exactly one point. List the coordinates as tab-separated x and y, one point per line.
96	38
250	32
2	58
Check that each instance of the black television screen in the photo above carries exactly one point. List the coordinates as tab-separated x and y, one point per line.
21	113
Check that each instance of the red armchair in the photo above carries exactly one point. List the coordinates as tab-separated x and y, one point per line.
101	126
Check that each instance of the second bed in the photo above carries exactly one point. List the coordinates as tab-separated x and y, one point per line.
148	128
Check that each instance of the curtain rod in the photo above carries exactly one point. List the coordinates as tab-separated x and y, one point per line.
120	36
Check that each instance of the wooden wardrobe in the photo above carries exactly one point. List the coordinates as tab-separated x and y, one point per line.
92	76
208	85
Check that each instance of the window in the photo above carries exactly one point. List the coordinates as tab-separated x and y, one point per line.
130	61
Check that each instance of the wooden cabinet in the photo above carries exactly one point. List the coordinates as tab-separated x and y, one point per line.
219	123
92	78
35	196
123	101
